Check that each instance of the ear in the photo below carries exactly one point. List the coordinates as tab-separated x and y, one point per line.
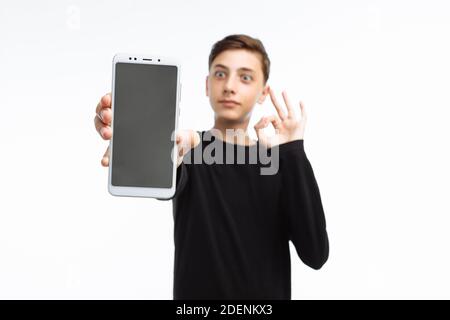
207	90
264	94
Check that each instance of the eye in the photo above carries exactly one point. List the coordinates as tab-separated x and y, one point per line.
218	72
249	78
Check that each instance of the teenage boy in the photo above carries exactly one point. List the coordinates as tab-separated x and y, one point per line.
232	223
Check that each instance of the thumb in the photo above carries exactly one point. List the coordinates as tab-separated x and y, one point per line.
259	130
105	159
180	141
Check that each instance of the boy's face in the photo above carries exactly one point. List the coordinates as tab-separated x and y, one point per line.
228	79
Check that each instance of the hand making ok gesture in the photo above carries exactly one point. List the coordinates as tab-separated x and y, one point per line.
287	126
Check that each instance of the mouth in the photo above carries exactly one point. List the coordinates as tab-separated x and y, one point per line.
229	103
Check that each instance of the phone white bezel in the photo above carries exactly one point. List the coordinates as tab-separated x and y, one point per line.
145	191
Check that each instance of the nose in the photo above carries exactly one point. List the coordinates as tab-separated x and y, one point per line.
229	86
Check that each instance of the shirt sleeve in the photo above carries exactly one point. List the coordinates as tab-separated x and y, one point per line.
302	205
182	177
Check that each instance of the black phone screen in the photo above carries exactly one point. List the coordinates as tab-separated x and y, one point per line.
144	109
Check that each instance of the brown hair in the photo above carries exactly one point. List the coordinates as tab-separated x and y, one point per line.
242	41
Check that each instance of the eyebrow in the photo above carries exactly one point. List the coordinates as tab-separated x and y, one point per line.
225	67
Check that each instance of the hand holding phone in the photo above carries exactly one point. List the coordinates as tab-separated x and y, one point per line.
185	139
102	122
143	111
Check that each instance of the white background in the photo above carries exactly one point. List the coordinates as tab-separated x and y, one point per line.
374	76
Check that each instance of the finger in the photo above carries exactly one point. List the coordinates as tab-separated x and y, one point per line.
288	105
105	116
105	159
276	122
104	130
277	105
179	142
302	108
184	142
98	123
105	102
262	123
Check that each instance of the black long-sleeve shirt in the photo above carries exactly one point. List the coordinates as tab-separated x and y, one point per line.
233	224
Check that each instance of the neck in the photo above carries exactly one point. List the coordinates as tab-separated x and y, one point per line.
237	131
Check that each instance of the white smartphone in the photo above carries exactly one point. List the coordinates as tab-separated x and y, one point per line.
146	92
